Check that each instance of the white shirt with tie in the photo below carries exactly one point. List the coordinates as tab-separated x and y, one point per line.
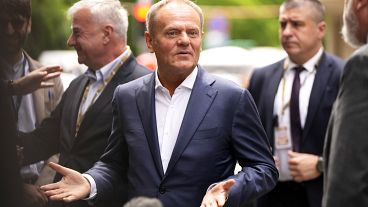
307	77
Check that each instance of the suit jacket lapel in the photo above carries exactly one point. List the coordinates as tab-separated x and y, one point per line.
76	103
105	97
146	108
38	95
274	81
200	101
319	87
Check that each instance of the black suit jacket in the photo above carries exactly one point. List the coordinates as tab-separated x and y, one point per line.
57	133
263	87
10	180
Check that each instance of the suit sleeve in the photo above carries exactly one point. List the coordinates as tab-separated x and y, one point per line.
348	152
109	172
252	150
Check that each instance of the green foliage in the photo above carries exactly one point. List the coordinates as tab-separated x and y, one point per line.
263	32
49	26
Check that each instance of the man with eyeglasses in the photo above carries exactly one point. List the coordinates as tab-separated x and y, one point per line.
29	109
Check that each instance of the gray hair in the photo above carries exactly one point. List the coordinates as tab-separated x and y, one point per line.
318	7
105	11
152	12
143	202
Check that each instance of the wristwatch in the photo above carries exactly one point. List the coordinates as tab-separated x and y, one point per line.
319	165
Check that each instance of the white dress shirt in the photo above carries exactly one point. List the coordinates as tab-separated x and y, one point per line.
170	112
306	79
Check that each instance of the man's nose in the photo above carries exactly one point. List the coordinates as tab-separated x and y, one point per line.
287	30
71	41
184	39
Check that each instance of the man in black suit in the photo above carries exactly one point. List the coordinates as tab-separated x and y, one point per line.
294	97
81	123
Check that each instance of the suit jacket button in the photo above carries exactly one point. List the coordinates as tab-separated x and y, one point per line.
162	189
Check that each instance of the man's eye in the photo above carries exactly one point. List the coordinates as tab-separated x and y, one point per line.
297	24
171	33
193	34
282	25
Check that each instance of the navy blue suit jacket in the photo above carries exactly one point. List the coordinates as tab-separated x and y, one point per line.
263	87
220	126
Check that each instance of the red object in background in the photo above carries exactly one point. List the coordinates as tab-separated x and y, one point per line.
140	10
148	60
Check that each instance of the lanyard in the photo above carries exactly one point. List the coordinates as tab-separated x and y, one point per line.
98	92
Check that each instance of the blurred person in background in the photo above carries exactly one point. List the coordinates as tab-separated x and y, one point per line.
11	188
294	97
30	109
81	123
143	202
178	133
346	146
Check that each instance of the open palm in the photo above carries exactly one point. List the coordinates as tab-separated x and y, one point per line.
73	186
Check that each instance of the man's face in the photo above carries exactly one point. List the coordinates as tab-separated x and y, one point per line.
176	38
87	39
14	30
299	34
350	28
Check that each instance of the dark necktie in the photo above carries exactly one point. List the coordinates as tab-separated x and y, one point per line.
295	125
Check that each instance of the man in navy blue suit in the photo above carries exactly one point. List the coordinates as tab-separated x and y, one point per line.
178	133
294	97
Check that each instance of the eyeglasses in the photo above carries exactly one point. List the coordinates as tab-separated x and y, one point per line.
17	22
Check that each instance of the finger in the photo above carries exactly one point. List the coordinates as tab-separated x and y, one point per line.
293	154
293	161
53	192
46	84
61	196
52	68
51	186
298	179
60	169
50	76
294	173
70	198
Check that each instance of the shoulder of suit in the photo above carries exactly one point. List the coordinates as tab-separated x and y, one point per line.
362	51
279	65
335	59
33	64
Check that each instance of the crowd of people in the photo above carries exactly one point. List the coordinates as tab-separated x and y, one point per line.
124	135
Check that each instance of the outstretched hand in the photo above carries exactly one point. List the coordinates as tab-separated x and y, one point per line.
36	79
217	196
72	187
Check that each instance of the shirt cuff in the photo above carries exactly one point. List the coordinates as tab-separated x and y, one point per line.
93	192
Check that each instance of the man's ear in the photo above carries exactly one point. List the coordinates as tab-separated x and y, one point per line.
322	29
149	41
361	4
107	32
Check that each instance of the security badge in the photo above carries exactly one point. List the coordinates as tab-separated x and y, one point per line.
282	138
